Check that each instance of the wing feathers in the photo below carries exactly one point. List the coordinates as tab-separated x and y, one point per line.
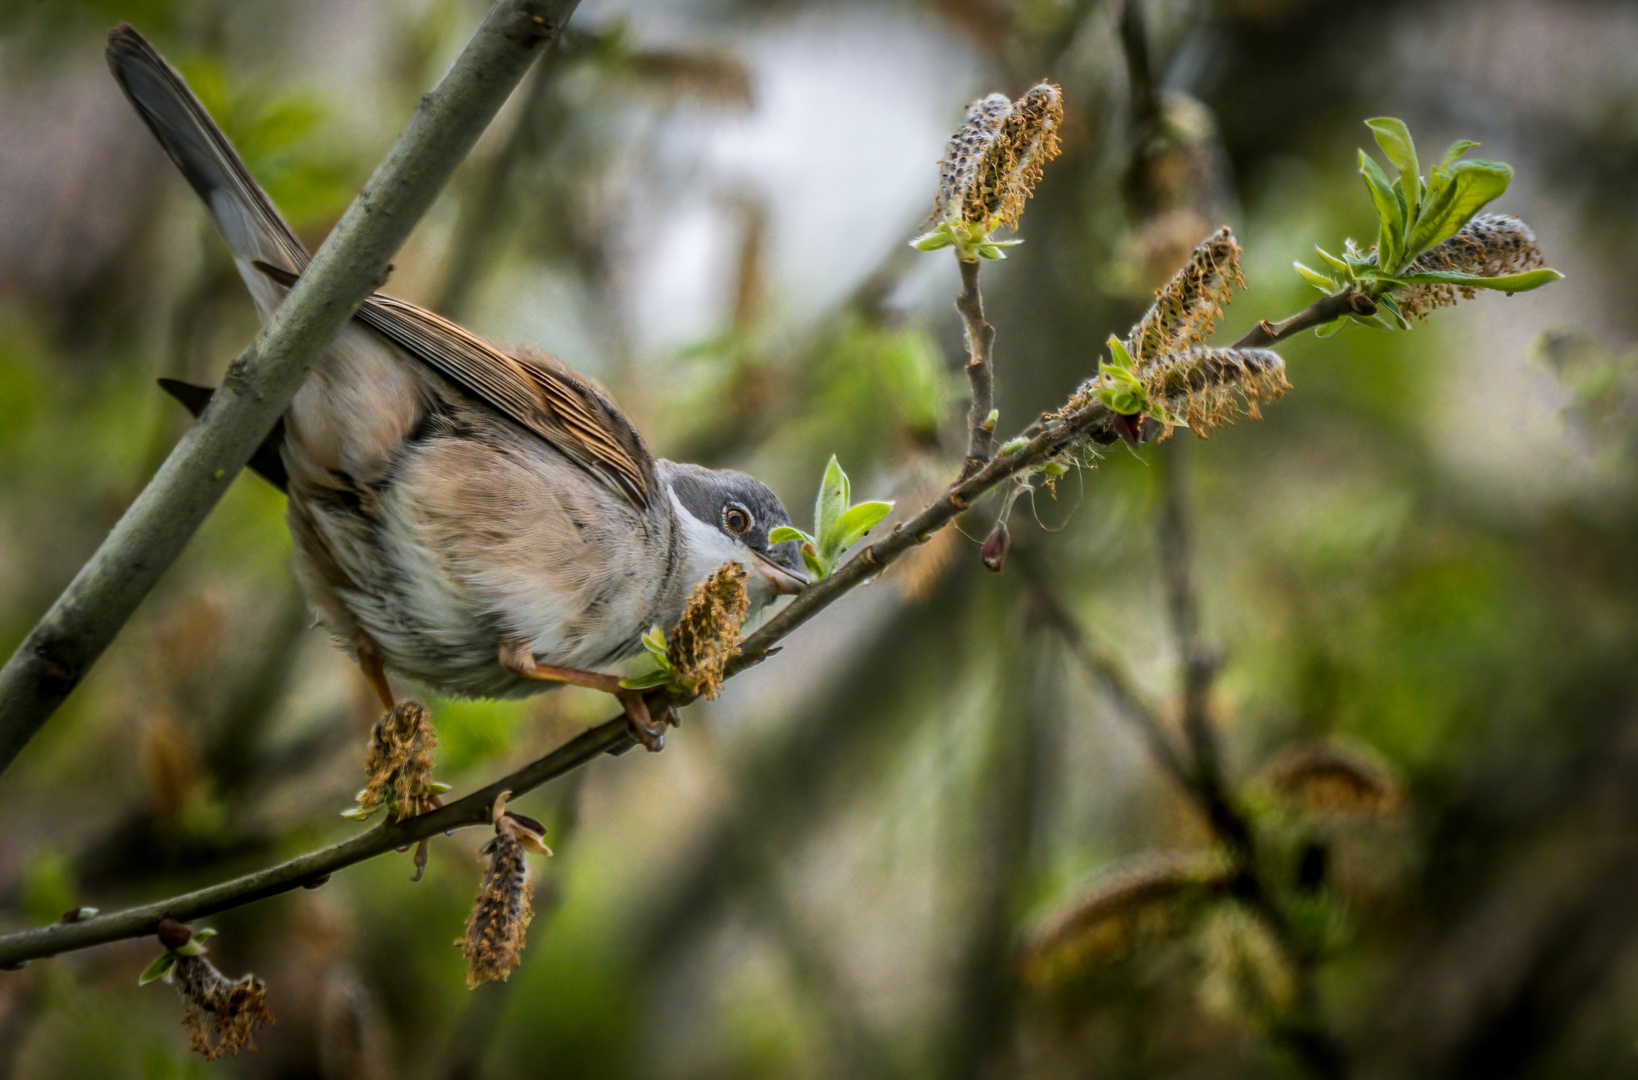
542	394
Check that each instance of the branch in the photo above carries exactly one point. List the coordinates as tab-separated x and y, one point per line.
1322	311
310	870
1093	421
980	371
258	386
1049	436
1106	670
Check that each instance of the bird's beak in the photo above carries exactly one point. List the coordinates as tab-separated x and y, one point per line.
785	582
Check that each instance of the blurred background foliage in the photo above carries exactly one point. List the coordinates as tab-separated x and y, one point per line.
924	841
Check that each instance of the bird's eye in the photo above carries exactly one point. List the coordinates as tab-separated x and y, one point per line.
736	519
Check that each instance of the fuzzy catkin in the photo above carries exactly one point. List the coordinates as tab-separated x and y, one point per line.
398	767
1141	901
994	160
221	1015
1187	307
1491	245
495	932
707	635
1208	388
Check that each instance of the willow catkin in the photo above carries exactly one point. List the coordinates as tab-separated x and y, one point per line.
496	929
1208	388
221	1015
1146	899
707	635
994	160
1187	307
398	766
1491	245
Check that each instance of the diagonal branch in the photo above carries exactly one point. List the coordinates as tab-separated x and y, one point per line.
1093	421
1048	437
353	262
1324	310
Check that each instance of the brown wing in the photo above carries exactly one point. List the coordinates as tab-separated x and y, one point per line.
539	392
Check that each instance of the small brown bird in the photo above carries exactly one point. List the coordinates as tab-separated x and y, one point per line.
486	522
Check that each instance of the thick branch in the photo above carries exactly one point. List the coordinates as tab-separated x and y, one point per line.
1328	309
258	386
980	372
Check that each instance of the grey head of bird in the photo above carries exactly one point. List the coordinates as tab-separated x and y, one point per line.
727	515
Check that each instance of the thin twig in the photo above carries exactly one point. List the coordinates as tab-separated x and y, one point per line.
1197	661
1320	312
1105	669
258	386
1300	1029
980	371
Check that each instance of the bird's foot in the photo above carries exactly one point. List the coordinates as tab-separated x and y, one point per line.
650	732
516	658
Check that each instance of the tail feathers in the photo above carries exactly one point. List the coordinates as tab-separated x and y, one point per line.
246	217
266	462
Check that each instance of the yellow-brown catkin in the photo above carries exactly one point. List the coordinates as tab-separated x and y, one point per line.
493	944
1187	307
1334	780
1208	388
994	160
221	1016
1491	245
707	635
1146	899
398	767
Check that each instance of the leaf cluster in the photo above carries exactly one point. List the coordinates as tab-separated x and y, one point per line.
838	523
1415	214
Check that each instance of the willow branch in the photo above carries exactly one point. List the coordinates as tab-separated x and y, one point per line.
353	262
1325	310
1092	421
1048	437
312	869
980	371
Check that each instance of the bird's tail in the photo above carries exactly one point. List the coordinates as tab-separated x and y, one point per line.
243	213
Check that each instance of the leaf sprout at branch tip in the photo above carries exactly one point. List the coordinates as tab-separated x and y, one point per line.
1430	246
838	523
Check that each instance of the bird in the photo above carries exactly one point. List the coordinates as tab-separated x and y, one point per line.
485	521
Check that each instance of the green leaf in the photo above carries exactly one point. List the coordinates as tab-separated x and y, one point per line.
1316	279
1454	154
933	241
1331	329
1507	283
1119	358
859	520
648	681
785	532
810	558
1394	316
1390	211
1395	140
161	968
1339	265
832	501
1470	186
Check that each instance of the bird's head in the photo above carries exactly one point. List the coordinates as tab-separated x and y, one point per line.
727	515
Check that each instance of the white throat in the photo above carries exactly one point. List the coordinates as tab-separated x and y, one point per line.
706	547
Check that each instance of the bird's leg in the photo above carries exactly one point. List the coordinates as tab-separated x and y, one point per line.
516	658
369	658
